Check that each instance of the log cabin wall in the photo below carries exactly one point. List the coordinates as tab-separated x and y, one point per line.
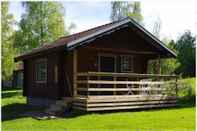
49	89
69	72
122	42
88	61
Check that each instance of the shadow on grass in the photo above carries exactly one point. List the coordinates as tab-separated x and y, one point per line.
187	101
16	110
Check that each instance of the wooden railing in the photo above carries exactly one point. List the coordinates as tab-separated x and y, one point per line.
102	83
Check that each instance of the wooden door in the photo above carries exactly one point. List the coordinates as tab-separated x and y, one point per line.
107	64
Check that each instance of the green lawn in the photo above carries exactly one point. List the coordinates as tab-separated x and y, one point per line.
181	118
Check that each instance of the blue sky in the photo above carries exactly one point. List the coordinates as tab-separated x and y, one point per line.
176	16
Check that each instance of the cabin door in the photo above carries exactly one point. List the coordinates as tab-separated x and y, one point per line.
107	64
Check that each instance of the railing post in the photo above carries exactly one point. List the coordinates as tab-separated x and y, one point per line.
176	86
114	78
159	65
88	85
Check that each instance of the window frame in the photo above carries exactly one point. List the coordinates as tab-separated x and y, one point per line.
43	60
131	57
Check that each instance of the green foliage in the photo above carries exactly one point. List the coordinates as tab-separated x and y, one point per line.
122	9
42	23
8	52
188	84
169	65
185	47
187	91
152	66
184	64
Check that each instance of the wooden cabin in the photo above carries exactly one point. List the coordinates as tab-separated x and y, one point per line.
104	68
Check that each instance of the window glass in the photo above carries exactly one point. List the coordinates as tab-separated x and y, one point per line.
41	71
126	63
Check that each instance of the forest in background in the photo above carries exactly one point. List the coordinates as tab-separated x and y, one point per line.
43	22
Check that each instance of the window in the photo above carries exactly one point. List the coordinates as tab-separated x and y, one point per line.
126	63
41	70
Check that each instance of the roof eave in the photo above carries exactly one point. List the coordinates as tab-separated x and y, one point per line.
153	37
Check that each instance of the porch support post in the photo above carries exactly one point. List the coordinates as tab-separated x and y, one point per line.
75	73
159	65
114	78
176	86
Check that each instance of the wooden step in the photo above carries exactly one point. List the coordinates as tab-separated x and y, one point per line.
58	106
135	98
123	107
121	103
67	99
130	107
61	103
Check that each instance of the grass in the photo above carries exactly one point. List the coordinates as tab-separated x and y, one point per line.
181	118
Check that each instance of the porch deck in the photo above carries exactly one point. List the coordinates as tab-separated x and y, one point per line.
98	91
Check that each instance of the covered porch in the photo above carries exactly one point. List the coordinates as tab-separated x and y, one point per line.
96	91
111	90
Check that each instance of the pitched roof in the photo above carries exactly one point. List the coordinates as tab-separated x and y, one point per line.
72	41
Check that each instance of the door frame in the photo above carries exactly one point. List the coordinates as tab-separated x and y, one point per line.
107	55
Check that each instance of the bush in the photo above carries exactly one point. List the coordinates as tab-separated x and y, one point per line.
187	91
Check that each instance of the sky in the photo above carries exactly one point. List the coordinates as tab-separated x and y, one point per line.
176	15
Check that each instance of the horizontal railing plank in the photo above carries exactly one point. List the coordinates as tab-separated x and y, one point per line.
122	74
124	98
121	89
129	107
120	82
122	103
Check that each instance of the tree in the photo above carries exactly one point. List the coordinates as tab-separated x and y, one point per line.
8	51
185	46
123	9
169	65
42	23
152	65
157	27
